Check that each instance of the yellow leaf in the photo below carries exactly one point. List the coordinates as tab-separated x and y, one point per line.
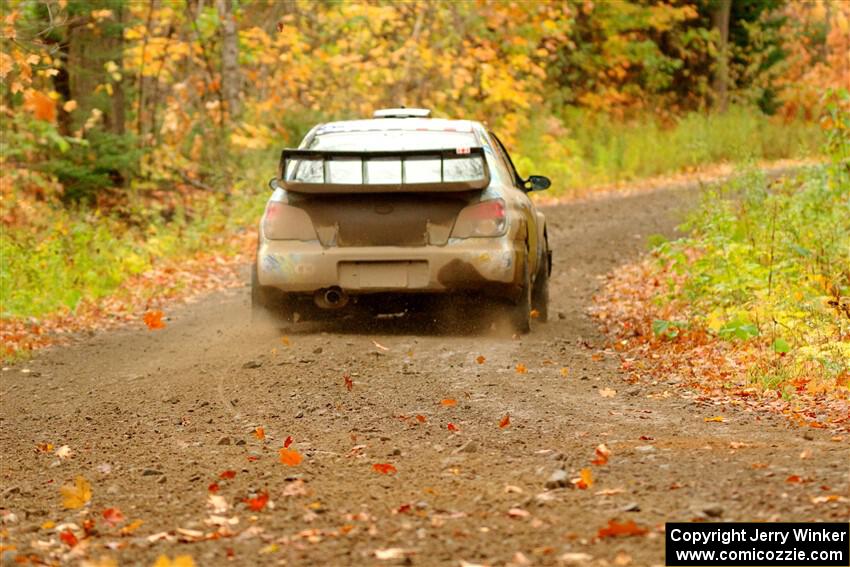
179	561
717	418
69	106
76	495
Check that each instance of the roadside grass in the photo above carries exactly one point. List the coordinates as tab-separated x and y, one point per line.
584	150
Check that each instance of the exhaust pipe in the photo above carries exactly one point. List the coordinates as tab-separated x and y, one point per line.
330	298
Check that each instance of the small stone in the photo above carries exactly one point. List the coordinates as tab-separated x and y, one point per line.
317	350
396	452
252	364
713	510
807	435
645	449
557	456
161	480
561	315
631	507
558	479
224	440
468	447
299	415
240	442
150	472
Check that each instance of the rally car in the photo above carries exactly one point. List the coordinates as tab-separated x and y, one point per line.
385	213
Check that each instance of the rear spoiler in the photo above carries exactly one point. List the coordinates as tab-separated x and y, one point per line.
462	169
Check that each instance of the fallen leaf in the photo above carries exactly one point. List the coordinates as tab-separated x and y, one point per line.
615	529
452	427
349	383
64	452
68	538
534	314
403	509
518	513
794	479
258	502
521	369
716	419
480	359
602	454
647	438
213	487
153	319
585	479
420	418
622	559
565	371
218	503
379	345
384	468
610	491
287	442
597	357
737	445
825	499
113	516
44	448
179	561
511	489
607	392
505	421
392	553
131	527
448	402
806	454
76	495
48	525
227	475
260	433
284	340
290	457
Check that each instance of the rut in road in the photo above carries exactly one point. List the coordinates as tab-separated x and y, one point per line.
153	418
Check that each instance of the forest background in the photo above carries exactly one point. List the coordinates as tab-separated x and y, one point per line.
137	134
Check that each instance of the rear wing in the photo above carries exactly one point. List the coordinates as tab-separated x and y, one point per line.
410	171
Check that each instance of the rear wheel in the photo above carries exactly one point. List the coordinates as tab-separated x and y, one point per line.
268	302
540	293
520	312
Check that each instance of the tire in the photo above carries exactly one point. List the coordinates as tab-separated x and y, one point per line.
520	311
267	302
540	292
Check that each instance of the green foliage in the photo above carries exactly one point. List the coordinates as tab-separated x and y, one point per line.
584	149
770	260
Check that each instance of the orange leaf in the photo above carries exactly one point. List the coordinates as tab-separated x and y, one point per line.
602	454
113	516
384	468
257	503
349	383
227	475
213	487
521	369
68	538
615	529
449	402
131	527
794	479
287	442
260	433
717	418
534	314
452	427
586	479
505	421
290	457
153	319
41	105
420	418
480	359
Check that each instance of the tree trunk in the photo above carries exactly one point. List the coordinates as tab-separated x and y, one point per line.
720	83
230	80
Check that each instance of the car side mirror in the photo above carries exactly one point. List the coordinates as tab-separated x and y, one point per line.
537	183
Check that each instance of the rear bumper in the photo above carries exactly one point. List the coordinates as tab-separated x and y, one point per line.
488	265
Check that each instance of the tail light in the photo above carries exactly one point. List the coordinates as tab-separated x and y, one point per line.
285	222
486	218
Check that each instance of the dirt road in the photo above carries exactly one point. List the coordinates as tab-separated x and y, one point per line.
153	418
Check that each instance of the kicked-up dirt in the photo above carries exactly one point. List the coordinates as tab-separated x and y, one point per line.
151	419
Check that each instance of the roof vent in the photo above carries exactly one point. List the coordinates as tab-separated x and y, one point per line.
402	113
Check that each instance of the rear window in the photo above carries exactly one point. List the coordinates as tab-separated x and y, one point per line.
393	140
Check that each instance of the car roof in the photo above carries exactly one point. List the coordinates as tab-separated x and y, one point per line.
384	124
